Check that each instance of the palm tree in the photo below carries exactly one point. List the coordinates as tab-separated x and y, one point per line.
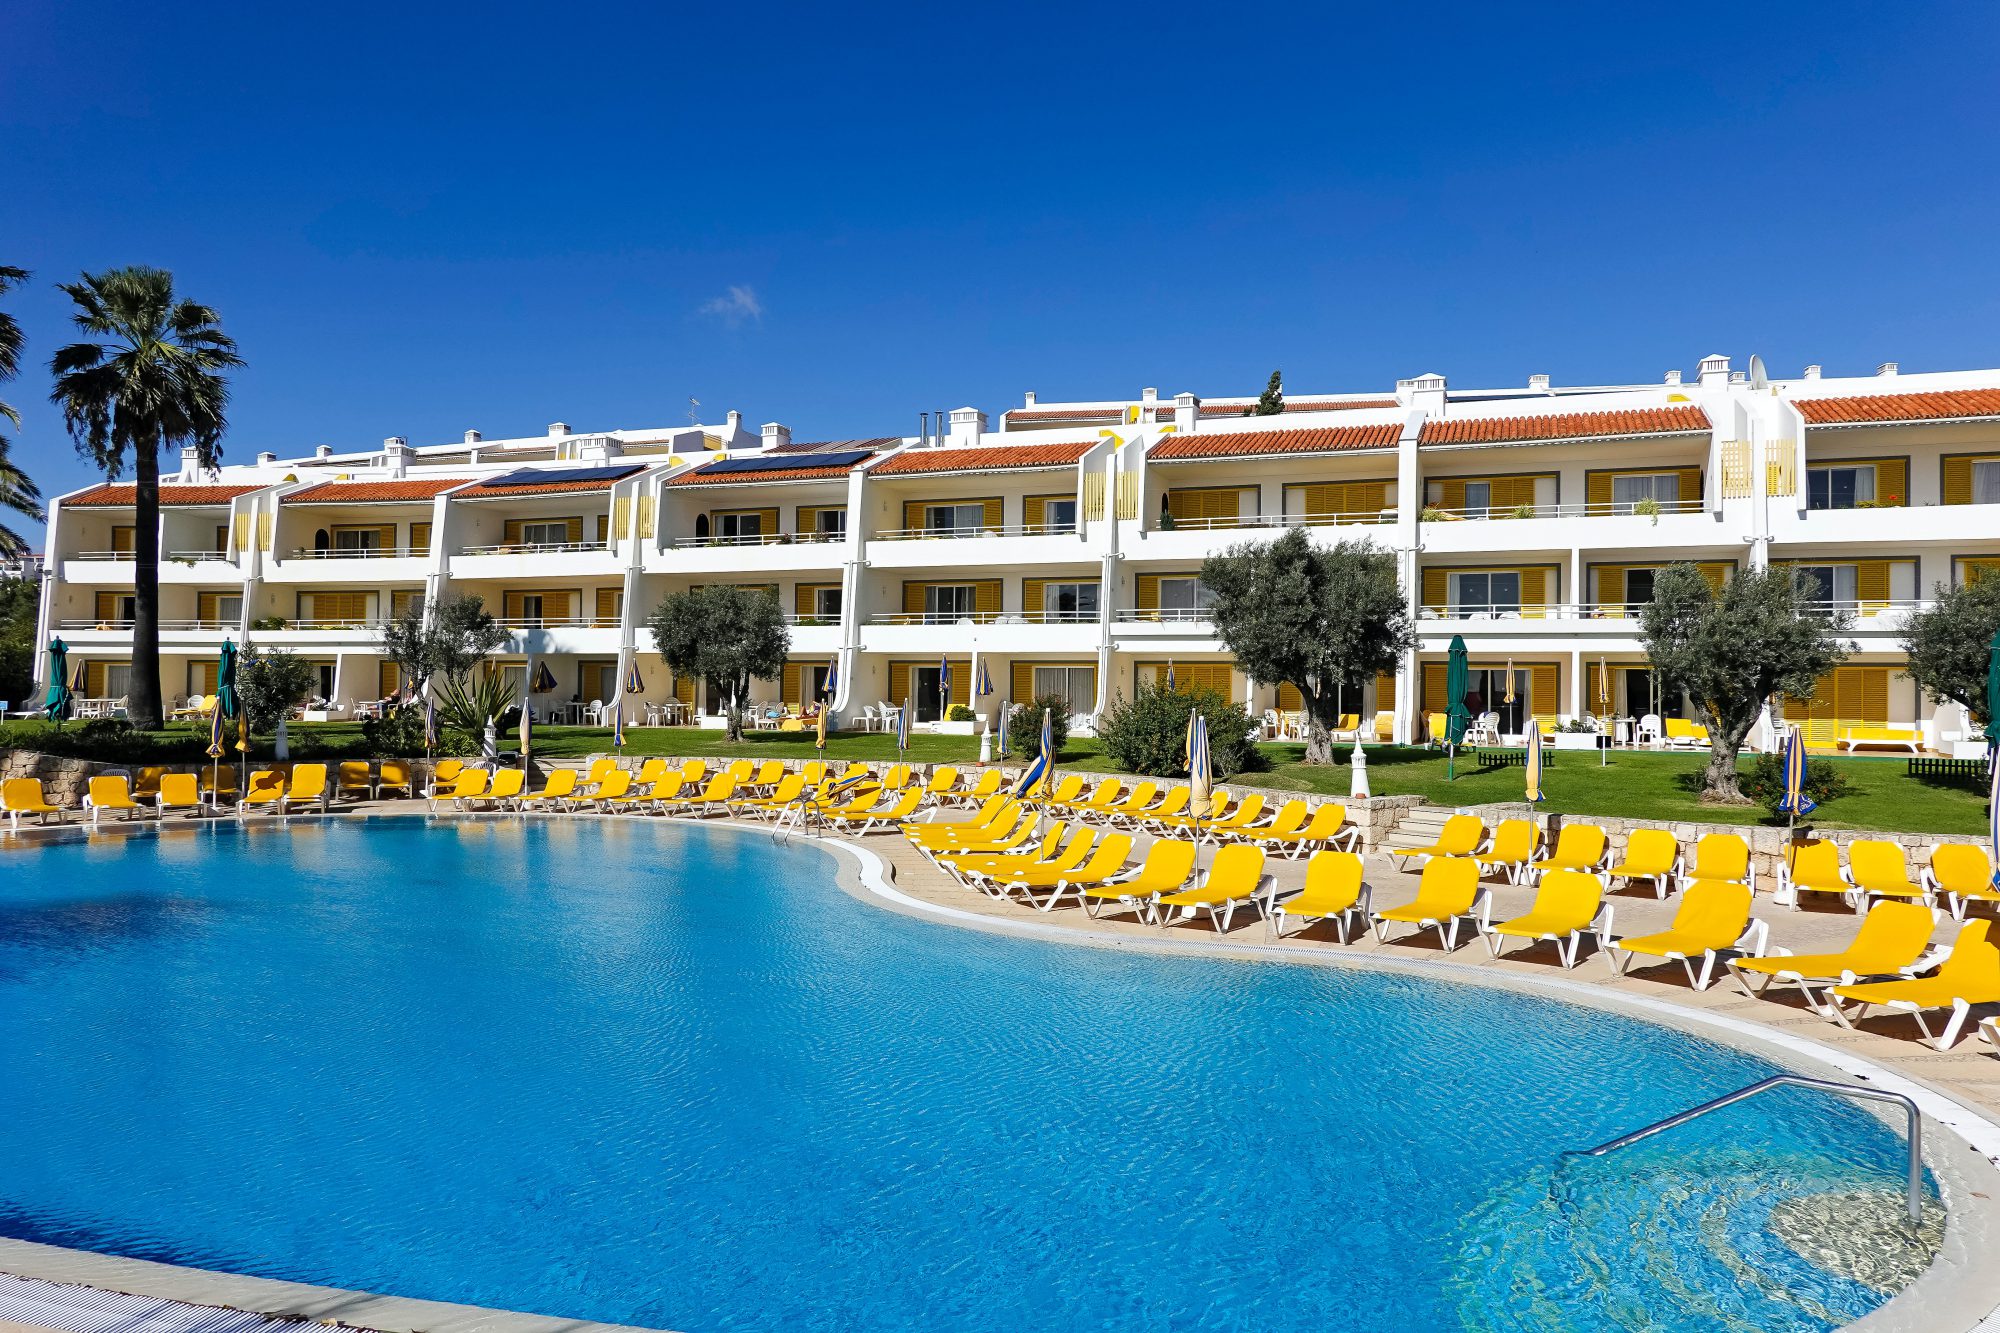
156	383
17	491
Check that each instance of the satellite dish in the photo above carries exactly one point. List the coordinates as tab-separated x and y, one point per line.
1758	379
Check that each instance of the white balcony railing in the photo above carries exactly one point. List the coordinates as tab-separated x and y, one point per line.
1367	517
1157	614
1601	509
533	548
193	557
358	553
763	539
1632	611
996	530
555	622
127	556
125	622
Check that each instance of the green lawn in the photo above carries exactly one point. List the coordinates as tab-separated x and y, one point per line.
1635	785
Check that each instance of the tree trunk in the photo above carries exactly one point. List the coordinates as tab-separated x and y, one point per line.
1321	713
734	730
142	698
1719	785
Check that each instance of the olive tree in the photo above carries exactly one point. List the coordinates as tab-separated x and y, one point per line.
444	646
1326	620
1948	644
1731	649
270	683
726	634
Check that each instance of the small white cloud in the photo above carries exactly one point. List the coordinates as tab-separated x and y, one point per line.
739	307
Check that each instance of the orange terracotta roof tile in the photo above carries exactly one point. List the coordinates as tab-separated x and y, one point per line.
1943	405
562	481
124	495
803	472
1248	443
1673	419
1083	414
373	492
984	459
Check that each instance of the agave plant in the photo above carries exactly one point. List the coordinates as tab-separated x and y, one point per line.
465	706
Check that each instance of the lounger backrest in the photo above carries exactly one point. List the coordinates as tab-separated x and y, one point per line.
788	788
266	783
1109	856
907	802
1247	811
562	782
814	771
1081	840
447	770
989	782
616	783
1650	851
1961	868
148	781
1813	862
665	787
1514	840
1449	885
22	794
601	769
1291	817
221	777
1168	864
1580	845
396	773
472	782
1572	896
652	770
1236	869
1333	880
1051	842
1105	794
1461	835
1068	789
309	780
1714	912
1973	969
898	776
110	791
1721	856
179	789
1327	820
1875	862
694	770
1139	798
507	782
769	772
1174	802
855	770
739	770
943	779
353	773
719	787
1218	804
1892	936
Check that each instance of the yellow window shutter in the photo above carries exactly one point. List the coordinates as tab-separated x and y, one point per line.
1958	481
1971	571
1316	499
609	610
790	689
385	537
388	679
1368	497
510	604
961	682
1093	495
510	532
1534	591
420	538
767	522
242	525
1149	592
1434	678
1225	504
1892	481
1512	492
913	598
1289	698
1125	496
1031	596
913	514
684	687
1385	691
1691	486
604	527
1216	676
1437	588
1597	491
1716	572
992	518
645	516
402	601
573	530
802	599
93	680
266	526
986	597
107	606
1875	695
204	606
1611	587
1871	585
1182	504
1032	510
1545	688
124	536
899	682
1024	682
1451	492
621	515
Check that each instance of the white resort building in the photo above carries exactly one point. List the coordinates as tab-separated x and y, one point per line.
1060	547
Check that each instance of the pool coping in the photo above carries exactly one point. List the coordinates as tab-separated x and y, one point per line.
1948	1291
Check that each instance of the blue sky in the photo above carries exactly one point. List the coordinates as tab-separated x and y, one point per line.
418	220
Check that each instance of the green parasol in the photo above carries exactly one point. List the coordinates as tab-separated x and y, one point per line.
57	704
225	680
1457	717
1993	692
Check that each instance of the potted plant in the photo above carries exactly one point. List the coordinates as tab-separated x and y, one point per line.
958	721
1648	508
1575	734
1524	511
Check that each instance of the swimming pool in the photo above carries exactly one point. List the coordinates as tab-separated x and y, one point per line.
675	1076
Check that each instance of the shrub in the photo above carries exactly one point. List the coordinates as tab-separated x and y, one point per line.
960	713
270	683
1148	733
398	732
1765	782
1024	724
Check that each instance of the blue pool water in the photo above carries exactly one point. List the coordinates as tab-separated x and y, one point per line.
676	1077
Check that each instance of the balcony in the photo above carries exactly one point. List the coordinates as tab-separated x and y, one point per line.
1010	544
359	553
1003	633
762	539
1677	525
774	553
1599	619
1898	524
513	560
366	564
125	623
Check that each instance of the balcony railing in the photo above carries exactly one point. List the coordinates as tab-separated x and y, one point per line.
1631	611
333	622
995	530
125	622
358	552
1371	516
1156	614
556	622
796	618
763	539
192	557
1600	509
533	548
103	555
936	617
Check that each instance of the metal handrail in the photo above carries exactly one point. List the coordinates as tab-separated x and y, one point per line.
1915	1191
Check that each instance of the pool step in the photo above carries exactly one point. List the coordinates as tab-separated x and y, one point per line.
1419	827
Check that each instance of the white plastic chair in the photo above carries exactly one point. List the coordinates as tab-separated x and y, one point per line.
1649	732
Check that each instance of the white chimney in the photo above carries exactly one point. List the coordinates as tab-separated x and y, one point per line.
775	435
1739	377
266	460
1673	377
967	425
1424	393
322	451
1031	399
558	429
1187	413
472	437
1149	396
1539	382
1812	372
1886	370
190	463
598	449
1714	372
735	420
396	455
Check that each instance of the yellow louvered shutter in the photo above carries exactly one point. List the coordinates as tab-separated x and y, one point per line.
1958	481
107	606
1181	505
510	532
767	521
1433	696
1716	572
388	679
1892	481
511	606
1544	674
1367	497
385	536
242	528
645	516
420	539
802	599
684	688
603	529
1385	692
124	538
573	530
1691	486
1534	593
1871	585
961	683
899	682
1289	698
1149	592
993	516
1032	510
1320	499
621	515
266	530
1451	493
1611	588
93	680
913	598
610	605
402	601
1093	495
1031	596
1597	491
1875	695
913	514
1971	571
790	691
1023	682
1510	493
1216	676
986	597
1437	588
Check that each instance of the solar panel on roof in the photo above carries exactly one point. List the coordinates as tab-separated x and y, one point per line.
783	463
835	446
534	476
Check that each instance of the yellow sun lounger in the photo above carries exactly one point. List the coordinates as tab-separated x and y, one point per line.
1812	867
1202	818
308	787
504	791
1879	871
942	787
880	816
1166	868
394	775
267	787
967	865
649	798
1650	854
1970	975
715	796
1334	891
110	792
1891	942
1106	863
1175	801
1133	807
353	780
1102	797
23	796
1234	880
1461	836
180	791
1448	893
1515	842
555	793
1963	874
1723	856
987	784
790	788
1054	856
1328	827
1713	919
1247	812
469	782
1019	834
996	816
1578	847
615	783
1291	817
1568	905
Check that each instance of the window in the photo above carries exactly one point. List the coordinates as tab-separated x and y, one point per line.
117	679
955	519
1483	592
221	546
747	526
1486	692
1478	496
826	604
945	603
1986	481
1059	515
1183	599
1840	487
1078	684
531	608
1661	487
1639	586
224	609
1069	601
545	532
118	608
830	523
357	539
1827	588
599	681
